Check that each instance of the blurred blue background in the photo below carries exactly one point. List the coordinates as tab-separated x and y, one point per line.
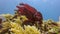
50	9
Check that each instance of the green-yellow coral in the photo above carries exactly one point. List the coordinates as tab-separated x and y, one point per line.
31	30
20	19
23	18
17	29
7	16
6	24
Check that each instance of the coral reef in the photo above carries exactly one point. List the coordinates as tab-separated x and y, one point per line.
27	20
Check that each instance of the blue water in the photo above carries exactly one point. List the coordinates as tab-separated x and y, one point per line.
50	9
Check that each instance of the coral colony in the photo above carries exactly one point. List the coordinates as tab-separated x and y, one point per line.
27	20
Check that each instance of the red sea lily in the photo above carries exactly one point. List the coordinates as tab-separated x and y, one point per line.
26	6
31	13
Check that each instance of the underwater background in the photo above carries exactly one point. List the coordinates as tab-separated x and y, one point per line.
50	9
